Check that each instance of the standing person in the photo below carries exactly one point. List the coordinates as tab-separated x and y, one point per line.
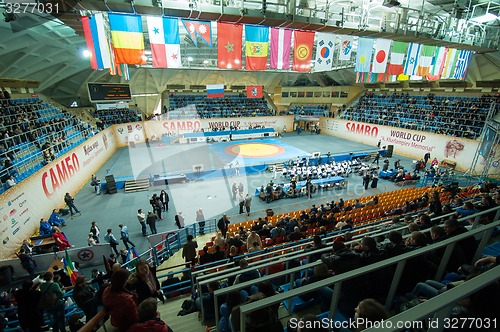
142	220
248	203
164	200
378	144
374	182
125	237
234	189
200	218
96	183
189	250
111	239
241	202
240	188
94	229
27	262
143	282
222	224
377	157
237	168
151	220
427	156
71	205
179	220
152	201
84	296
397	164
158	207
27	299
366	180
309	187
48	288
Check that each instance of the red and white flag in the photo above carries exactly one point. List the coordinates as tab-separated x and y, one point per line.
382	47
281	42
165	42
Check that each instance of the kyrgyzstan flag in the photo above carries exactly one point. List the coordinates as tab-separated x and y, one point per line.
254	91
229	45
302	53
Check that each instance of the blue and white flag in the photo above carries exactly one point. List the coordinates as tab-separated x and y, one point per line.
412	59
462	64
364	55
324	51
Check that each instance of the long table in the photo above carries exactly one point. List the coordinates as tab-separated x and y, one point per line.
300	184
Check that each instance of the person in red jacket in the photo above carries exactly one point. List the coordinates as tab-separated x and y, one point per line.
121	304
149	318
60	239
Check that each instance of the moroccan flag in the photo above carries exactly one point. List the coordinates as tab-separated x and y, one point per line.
215	90
254	91
281	42
97	41
345	47
199	28
449	63
325	42
229	45
382	47
425	60
410	67
398	52
437	65
70	268
364	55
128	41
462	64
303	47
256	47
165	43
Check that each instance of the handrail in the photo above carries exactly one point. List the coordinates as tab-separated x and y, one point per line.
399	260
94	322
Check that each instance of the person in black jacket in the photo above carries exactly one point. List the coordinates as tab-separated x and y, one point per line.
84	296
468	245
27	299
27	263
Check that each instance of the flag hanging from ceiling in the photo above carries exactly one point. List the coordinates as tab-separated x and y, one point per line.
437	65
410	67
462	64
425	60
69	267
254	91
199	28
382	47
165	42
364	55
128	41
346	43
256	47
449	63
215	90
398	52
302	54
229	45
281	42
325	42
97	41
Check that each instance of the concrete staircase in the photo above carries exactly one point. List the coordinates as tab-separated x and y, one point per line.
140	184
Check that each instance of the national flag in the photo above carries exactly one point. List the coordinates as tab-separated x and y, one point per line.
449	63
215	90
97	41
346	43
410	67
254	91
199	28
462	64
425	60
382	47
437	65
281	42
325	42
256	47
403	77
69	267
165	42
106	264
128	41
229	45
398	52
364	55
132	256
302	53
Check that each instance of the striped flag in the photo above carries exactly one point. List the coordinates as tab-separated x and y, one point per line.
449	63
97	41
165	42
437	64
346	45
215	90
324	51
462	64
410	67
425	60
127	37
382	47
398	52
364	55
256	47
69	267
281	42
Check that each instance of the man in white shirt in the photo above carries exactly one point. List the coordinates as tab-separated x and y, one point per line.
10	182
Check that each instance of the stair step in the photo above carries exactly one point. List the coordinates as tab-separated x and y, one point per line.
136	185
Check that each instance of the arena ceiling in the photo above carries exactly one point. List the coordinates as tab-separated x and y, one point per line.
49	48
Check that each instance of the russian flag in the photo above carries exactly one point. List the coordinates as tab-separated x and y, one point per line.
215	90
97	42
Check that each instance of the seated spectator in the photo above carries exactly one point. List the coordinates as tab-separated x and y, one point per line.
45	228
341	259
219	240
246	274
235	241
55	220
317	245
218	254
149	318
255	247
295	235
11	182
207	300
60	239
206	257
233	299
144	282
320	272
468	245
277	232
369	311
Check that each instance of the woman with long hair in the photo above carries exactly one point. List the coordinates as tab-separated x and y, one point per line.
144	282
